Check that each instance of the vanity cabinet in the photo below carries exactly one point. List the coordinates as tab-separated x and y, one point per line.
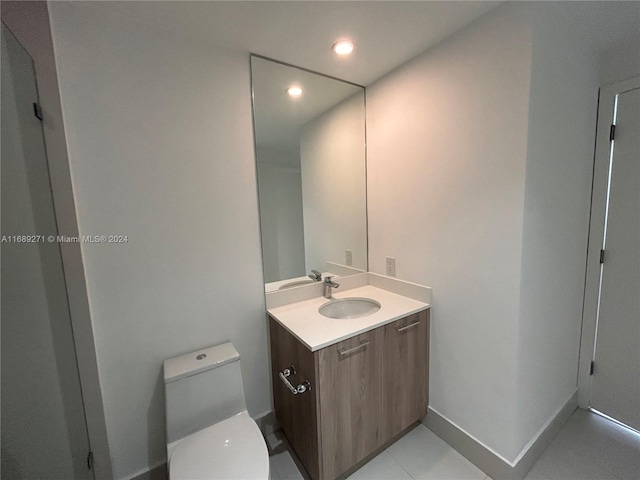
365	391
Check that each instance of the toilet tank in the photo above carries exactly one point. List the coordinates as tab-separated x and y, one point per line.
202	388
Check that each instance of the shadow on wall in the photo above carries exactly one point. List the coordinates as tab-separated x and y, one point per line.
156	430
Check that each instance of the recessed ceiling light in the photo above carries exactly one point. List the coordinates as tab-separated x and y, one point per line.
294	91
343	47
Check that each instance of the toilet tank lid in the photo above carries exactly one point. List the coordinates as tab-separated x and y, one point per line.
200	361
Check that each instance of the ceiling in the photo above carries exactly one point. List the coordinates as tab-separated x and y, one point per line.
602	25
386	33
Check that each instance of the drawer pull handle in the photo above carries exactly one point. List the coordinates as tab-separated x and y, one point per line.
287	372
402	329
358	347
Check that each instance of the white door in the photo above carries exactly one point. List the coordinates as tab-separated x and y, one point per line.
616	367
44	433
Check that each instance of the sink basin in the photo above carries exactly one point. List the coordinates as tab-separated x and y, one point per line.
353	307
297	283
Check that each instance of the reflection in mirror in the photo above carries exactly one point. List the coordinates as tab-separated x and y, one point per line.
311	164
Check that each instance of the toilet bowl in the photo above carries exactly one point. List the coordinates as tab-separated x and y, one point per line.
210	434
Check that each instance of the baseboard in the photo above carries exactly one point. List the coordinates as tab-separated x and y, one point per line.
490	462
268	423
538	444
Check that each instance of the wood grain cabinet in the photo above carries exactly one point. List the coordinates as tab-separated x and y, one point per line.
365	391
405	370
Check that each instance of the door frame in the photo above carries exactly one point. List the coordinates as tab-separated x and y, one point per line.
596	233
29	23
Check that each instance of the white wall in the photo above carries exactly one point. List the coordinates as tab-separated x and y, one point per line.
447	144
281	221
495	154
332	157
559	164
621	61
160	146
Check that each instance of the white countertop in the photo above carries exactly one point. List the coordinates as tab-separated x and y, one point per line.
316	331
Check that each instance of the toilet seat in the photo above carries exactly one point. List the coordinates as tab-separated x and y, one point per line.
231	449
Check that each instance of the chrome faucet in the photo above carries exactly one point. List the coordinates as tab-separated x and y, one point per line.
316	277
328	285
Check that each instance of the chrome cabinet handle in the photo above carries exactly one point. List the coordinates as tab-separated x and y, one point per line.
358	347
303	387
402	329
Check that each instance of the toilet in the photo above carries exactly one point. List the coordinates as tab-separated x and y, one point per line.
210	434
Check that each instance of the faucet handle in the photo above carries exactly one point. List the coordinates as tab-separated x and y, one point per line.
328	285
330	282
317	276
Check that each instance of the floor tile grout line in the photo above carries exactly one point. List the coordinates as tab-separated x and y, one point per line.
398	462
462	457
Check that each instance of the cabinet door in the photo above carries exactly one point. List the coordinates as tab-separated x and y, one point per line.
350	401
405	373
297	414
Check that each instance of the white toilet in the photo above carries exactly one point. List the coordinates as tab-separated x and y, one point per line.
210	435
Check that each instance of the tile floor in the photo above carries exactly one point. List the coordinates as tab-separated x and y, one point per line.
588	447
419	455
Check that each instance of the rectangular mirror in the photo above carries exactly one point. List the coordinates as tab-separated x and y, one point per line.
311	164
